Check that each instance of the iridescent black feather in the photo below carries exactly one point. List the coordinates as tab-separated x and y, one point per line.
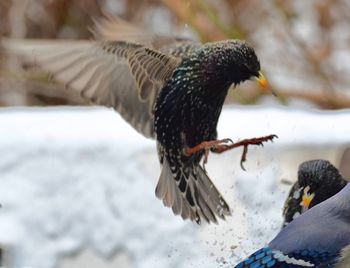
187	112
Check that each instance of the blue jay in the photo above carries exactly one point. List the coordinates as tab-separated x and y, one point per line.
317	181
320	237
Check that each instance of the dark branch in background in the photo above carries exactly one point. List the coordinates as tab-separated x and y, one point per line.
314	62
252	95
212	20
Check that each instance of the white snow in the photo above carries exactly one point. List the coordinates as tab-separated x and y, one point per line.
81	178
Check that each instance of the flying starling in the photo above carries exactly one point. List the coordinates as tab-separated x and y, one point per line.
170	89
317	181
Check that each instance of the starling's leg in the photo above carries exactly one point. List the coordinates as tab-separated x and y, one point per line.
208	145
245	143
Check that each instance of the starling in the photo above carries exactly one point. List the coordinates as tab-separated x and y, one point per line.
171	89
317	181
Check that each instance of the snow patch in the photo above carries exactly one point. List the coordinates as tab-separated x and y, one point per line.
82	178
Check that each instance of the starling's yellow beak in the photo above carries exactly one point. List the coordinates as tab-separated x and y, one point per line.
264	84
306	199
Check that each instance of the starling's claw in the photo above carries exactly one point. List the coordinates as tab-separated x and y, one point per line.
220	146
227	140
245	143
205	159
271	137
209	145
244	156
214	146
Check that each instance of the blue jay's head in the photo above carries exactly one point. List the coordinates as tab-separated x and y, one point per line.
317	181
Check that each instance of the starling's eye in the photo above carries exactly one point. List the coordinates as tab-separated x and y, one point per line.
253	73
253	76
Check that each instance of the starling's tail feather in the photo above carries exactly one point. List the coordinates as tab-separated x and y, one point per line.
191	194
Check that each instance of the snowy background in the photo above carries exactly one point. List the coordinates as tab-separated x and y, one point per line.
77	184
77	187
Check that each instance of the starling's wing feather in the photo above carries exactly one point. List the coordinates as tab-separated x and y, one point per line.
114	28
190	193
149	66
121	75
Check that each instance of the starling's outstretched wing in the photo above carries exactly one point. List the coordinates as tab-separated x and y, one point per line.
122	75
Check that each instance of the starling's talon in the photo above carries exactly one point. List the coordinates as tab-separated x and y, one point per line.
227	140
245	143
214	146
205	159
220	146
242	166
244	156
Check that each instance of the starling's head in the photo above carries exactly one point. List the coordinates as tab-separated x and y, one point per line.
241	62
318	180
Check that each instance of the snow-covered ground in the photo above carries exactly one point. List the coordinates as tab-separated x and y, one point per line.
77	186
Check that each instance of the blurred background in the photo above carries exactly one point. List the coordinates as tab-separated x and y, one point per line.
303	46
64	175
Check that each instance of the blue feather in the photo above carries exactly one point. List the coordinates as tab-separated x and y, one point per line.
267	257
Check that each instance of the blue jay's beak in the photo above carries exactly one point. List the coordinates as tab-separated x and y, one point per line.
306	199
264	84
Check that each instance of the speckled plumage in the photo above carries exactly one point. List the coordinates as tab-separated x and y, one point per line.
323	180
198	88
187	111
167	88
